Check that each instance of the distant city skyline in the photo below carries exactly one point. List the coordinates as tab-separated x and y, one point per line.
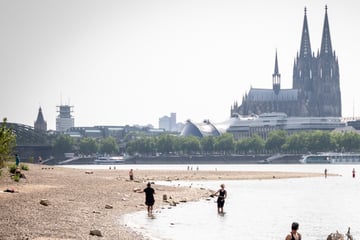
126	62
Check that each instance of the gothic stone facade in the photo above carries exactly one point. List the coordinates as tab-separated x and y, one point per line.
316	84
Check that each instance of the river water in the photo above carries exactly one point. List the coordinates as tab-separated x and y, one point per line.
259	209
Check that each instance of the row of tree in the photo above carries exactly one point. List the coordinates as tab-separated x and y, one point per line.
87	146
277	142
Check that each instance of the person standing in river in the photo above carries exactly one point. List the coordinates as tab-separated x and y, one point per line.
222	194
294	235
149	198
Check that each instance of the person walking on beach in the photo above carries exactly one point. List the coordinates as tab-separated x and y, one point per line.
325	172
222	194
149	198
294	235
353	173
17	160
131	174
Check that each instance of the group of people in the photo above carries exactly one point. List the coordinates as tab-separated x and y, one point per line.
221	194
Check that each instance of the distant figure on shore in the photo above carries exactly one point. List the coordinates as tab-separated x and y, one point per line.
353	173
39	159
325	172
17	159
149	198
131	174
222	194
294	235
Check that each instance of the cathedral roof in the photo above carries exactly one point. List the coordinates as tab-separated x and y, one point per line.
264	95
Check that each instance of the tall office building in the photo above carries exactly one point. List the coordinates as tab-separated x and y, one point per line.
64	120
168	123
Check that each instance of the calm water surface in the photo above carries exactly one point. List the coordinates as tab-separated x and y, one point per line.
258	209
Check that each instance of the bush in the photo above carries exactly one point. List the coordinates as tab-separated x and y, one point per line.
24	167
12	168
16	177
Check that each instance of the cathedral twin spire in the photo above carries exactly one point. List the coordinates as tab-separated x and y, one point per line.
305	47
326	47
316	89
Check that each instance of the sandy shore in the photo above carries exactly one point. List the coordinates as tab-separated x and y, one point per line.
78	198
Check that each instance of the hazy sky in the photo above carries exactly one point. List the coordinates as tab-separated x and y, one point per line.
131	62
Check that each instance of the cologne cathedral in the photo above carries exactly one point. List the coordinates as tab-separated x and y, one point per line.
315	90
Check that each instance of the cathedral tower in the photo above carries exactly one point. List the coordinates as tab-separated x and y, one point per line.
40	123
276	77
327	86
304	63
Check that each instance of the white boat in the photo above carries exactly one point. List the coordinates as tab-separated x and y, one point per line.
332	158
109	159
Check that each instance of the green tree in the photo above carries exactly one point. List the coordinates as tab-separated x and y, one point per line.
7	142
256	143
242	146
320	141
207	144
296	143
165	143
190	144
88	146
108	146
349	141
275	141
63	144
225	143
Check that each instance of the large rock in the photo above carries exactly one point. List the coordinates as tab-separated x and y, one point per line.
45	202
96	233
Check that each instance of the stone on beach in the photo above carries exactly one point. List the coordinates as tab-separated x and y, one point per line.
44	202
96	233
78	198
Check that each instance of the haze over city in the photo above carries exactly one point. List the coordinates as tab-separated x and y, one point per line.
131	62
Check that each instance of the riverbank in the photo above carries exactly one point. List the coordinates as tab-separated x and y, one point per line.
84	200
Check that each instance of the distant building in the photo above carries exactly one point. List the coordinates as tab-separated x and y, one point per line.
169	123
316	83
40	124
262	125
64	121
206	128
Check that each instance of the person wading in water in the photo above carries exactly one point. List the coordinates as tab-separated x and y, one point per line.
294	235
222	194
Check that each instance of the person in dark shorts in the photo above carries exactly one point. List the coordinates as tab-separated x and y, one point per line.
294	235
131	174
149	198
222	194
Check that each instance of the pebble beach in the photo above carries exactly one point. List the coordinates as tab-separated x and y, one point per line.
80	202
